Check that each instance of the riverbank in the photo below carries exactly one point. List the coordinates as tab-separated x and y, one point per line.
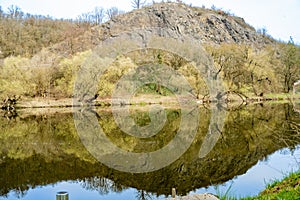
149	99
286	189
68	102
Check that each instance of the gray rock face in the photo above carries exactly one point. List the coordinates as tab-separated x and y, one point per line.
178	20
208	26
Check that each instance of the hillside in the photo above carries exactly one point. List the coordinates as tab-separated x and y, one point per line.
249	62
25	35
208	26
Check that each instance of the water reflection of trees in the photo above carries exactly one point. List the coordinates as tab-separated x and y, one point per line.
37	150
143	195
102	185
105	186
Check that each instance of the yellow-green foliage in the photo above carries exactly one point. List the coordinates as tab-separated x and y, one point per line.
243	68
194	79
18	77
174	61
67	71
15	76
114	72
22	76
246	69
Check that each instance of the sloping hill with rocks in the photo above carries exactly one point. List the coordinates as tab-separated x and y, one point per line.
205	25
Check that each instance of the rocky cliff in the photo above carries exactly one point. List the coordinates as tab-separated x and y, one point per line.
208	26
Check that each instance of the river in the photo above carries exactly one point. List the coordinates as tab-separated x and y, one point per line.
91	155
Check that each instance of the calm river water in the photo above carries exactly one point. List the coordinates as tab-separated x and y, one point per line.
239	149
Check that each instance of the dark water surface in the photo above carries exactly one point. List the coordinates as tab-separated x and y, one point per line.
43	153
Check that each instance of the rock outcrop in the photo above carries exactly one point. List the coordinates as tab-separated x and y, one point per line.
205	25
208	26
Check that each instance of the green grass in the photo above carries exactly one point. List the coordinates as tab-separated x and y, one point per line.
151	88
288	188
285	189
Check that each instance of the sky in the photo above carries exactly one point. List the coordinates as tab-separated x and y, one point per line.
281	18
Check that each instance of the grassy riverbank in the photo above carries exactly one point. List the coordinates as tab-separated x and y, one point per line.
286	189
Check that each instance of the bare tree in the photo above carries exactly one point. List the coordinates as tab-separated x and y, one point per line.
113	12
99	15
85	17
138	3
15	11
95	17
1	12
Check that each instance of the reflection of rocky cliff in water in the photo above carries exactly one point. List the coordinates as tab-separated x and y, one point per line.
41	150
